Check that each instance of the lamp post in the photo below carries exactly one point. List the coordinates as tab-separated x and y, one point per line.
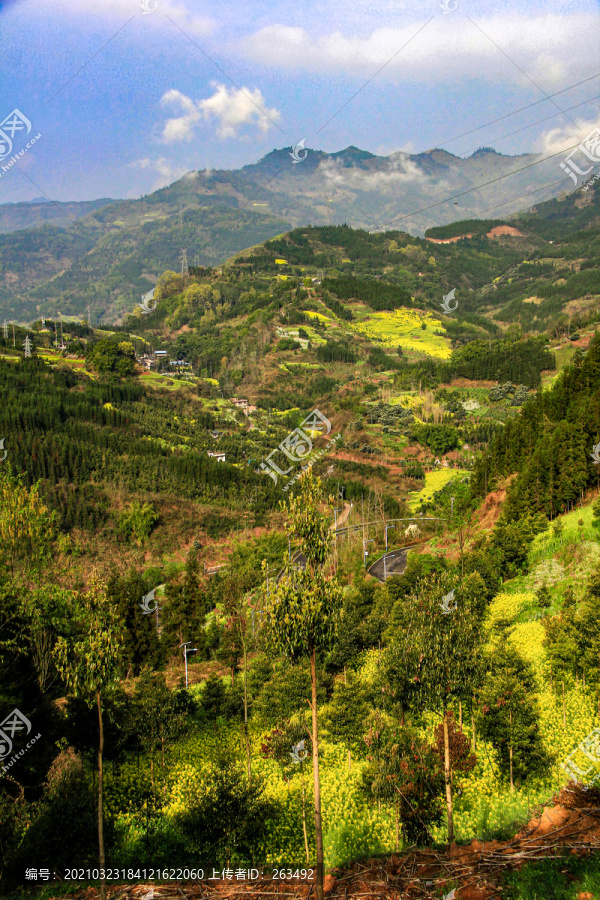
365	554
187	650
386	537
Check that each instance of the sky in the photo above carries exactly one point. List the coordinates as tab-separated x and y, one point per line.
122	97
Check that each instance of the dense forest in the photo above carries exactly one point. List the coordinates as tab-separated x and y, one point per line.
550	446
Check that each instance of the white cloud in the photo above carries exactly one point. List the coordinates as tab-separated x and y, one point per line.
549	47
167	171
562	137
231	108
399	170
175	9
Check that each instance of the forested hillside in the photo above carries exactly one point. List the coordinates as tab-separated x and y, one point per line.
299	567
106	259
550	446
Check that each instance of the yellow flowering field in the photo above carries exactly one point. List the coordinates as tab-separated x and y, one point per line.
317	315
434	481
402	328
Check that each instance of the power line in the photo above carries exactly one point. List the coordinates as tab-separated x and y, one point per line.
517	66
479	186
528	194
521	109
381	68
539	121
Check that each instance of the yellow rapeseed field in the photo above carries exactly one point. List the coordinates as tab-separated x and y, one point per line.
402	328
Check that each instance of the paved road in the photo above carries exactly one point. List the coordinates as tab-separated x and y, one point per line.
343	517
395	564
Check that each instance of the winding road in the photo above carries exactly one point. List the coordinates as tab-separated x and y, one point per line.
395	560
395	564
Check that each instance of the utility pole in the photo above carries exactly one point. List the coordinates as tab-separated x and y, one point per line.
13	325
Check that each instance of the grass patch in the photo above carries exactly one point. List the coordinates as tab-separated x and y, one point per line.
154	380
554	879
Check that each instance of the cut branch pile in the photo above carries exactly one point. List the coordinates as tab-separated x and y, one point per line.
572	826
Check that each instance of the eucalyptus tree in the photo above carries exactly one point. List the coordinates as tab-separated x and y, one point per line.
89	660
302	611
435	653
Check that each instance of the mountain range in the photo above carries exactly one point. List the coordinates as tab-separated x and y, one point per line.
103	254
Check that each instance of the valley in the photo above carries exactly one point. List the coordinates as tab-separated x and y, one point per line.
420	606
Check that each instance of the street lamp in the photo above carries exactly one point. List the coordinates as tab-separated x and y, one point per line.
187	650
386	538
365	554
335	512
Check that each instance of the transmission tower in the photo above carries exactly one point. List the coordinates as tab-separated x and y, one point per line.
5	330
184	263
27	345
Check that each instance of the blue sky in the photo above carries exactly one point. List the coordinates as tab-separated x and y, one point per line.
127	101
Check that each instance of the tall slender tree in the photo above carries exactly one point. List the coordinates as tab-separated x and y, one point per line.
435	653
302	612
89	660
